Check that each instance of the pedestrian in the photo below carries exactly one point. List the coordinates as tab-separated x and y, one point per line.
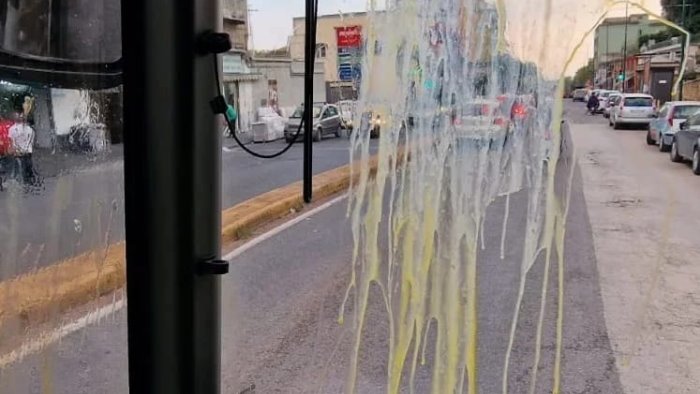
6	162
593	103
22	137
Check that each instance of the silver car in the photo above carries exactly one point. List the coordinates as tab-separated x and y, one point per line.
633	109
686	143
604	99
613	101
668	121
327	121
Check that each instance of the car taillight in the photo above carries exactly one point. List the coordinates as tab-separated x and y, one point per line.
499	122
519	110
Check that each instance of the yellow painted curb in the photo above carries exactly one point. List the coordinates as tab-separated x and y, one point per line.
38	296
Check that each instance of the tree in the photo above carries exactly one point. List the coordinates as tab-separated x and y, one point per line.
584	74
673	11
568	85
657	37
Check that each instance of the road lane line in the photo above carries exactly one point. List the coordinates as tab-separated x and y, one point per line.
42	341
35	345
284	226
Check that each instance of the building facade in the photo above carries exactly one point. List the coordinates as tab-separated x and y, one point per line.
279	83
342	44
238	78
659	67
610	35
340	47
235	23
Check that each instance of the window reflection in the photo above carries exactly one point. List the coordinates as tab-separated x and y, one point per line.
77	30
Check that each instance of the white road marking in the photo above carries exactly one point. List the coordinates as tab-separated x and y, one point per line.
42	341
284	226
36	344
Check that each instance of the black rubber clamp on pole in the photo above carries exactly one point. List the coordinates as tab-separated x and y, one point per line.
213	267
211	42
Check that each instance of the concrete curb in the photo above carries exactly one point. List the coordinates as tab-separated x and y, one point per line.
36	297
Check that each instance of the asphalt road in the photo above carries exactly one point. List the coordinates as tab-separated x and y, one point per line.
280	309
81	207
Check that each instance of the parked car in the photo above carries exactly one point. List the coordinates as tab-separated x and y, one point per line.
634	109
327	121
668	121
604	99
579	95
613	100
684	145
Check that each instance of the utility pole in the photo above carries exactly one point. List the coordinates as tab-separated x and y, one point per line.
683	44
624	52
607	57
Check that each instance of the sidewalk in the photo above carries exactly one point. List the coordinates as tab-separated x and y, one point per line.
645	218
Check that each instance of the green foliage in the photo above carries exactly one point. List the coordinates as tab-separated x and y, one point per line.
658	37
673	11
584	74
273	53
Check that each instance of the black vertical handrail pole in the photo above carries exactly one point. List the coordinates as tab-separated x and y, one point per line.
309	69
172	191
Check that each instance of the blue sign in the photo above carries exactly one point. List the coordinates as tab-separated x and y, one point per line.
349	63
349	72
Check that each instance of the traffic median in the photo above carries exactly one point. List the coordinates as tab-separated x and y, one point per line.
37	297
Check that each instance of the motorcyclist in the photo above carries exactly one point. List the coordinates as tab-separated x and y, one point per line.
593	103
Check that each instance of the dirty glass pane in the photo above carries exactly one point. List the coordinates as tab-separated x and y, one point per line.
496	238
83	30
62	303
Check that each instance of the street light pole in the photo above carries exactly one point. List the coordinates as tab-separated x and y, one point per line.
607	57
624	53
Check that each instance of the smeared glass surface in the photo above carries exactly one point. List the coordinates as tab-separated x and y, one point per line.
470	94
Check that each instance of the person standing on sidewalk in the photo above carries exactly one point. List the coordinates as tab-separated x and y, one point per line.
6	163
22	137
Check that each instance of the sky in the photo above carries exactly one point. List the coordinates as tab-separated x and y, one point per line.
271	20
271	23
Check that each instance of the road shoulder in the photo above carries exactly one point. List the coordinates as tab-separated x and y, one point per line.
644	219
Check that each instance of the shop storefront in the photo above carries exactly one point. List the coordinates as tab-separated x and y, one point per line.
238	88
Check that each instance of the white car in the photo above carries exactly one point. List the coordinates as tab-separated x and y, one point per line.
604	99
613	100
634	109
